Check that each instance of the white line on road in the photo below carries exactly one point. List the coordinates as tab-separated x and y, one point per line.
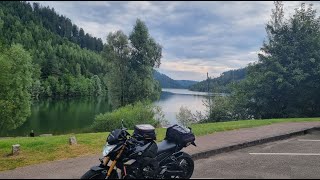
287	154
309	140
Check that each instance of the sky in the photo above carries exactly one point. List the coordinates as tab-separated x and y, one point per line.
196	36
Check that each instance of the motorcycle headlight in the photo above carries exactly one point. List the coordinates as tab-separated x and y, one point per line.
107	149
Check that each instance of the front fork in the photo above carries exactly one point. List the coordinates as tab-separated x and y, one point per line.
105	160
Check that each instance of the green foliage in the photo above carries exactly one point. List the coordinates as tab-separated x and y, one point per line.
146	55
66	61
285	82
15	80
220	84
225	108
220	110
36	89
96	85
139	113
185	117
49	19
116	54
61	68
130	62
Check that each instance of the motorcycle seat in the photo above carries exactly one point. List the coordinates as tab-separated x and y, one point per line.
165	146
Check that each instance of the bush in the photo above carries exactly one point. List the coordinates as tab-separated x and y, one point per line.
185	117
139	113
219	108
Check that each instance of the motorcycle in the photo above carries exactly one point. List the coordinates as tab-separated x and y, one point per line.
140	157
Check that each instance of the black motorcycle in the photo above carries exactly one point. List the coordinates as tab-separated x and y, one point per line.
139	157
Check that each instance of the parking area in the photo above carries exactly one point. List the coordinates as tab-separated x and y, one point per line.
297	157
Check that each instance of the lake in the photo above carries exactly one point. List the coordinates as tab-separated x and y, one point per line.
73	115
172	99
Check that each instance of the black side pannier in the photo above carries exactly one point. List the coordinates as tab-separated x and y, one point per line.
180	135
144	132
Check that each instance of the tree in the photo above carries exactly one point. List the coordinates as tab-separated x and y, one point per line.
130	65
97	90
78	70
16	79
146	52
36	89
221	109
81	38
1	21
185	117
286	80
146	55
75	33
117	53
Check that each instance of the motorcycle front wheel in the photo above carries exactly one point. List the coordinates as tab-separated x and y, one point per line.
98	175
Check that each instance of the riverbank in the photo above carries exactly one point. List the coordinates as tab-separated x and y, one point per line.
43	149
74	115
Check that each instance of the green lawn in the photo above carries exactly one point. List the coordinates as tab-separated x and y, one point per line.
42	149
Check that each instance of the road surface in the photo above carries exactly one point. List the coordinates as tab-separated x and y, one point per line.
300	159
297	157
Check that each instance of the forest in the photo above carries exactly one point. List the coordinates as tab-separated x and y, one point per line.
61	67
46	55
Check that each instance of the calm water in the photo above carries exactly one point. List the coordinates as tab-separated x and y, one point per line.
61	116
73	115
172	99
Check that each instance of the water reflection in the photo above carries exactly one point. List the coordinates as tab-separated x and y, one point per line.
61	116
73	115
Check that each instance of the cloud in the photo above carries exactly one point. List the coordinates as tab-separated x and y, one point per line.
97	29
197	37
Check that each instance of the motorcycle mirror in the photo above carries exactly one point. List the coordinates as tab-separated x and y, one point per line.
122	124
193	143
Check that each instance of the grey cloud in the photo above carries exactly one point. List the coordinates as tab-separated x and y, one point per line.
213	36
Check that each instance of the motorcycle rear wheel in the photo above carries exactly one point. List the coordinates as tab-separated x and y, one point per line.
188	165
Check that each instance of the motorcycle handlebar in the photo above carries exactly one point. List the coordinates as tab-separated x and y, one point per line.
134	140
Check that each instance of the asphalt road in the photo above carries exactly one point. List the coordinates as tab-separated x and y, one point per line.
301	159
297	157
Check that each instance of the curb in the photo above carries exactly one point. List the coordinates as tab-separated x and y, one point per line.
234	147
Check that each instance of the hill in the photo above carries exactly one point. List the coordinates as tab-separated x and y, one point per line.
186	83
220	84
167	82
65	61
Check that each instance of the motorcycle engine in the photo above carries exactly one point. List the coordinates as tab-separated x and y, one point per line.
149	167
144	168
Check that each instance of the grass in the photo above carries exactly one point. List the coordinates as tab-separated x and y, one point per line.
43	149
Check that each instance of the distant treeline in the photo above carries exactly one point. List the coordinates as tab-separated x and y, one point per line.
166	82
220	84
